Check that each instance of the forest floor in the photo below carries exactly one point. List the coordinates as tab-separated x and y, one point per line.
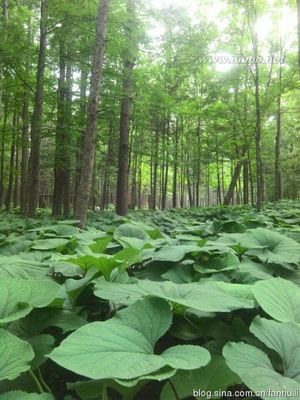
156	305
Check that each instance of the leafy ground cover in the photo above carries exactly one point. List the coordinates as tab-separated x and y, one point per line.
151	306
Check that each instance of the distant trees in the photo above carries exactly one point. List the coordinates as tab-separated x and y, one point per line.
175	126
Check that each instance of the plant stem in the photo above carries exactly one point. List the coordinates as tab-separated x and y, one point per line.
43	382
174	389
104	393
40	389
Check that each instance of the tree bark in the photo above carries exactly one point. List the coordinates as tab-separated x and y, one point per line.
88	150
123	165
36	122
59	163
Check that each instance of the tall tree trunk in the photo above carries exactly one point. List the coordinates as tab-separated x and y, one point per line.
11	165
123	166
67	141
88	150
25	153
154	169
229	195
278	180
59	163
245	182
175	166
258	153
3	135
80	138
36	122
298	26
16	183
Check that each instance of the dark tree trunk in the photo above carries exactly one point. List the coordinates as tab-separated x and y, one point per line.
123	164
11	166
175	167
59	167
3	135
229	195
88	150
80	138
278	179
67	141
25	153
36	122
245	182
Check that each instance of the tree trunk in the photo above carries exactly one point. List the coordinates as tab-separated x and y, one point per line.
11	165
80	138
229	195
175	167
88	150
59	166
123	165
278	180
36	122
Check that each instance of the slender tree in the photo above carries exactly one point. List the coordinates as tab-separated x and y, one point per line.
88	150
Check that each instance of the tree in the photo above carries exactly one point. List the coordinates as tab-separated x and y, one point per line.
88	150
129	59
36	122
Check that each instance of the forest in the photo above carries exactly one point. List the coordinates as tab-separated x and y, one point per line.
149	199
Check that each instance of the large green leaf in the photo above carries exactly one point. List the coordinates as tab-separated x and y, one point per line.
19	296
18	267
16	355
256	371
20	395
270	246
215	376
50	244
208	297
123	347
279	298
284	338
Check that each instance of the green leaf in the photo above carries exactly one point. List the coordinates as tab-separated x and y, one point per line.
279	298
213	377
40	319
16	355
18	267
270	246
20	395
256	371
122	347
208	297
19	296
284	338
186	356
42	345
50	244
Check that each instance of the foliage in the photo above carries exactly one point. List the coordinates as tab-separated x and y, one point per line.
156	301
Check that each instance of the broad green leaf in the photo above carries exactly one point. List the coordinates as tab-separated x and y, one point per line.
122	347
130	230
40	319
18	267
19	296
284	338
16	355
20	395
208	297
42	345
270	246
213	377
186	356
256	371
50	244
279	298
172	253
